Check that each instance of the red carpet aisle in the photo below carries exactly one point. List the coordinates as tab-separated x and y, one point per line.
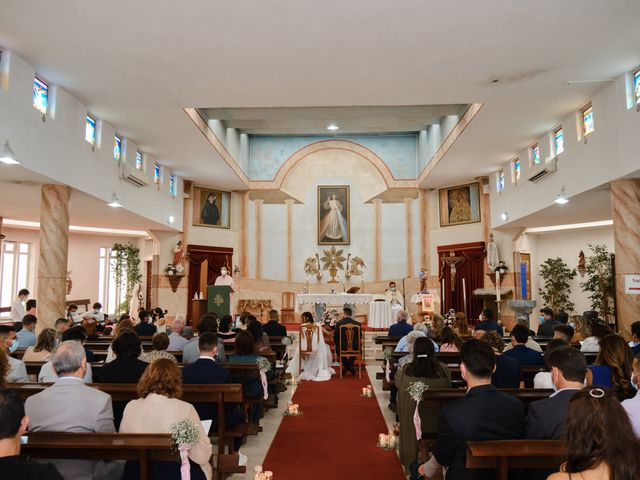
335	438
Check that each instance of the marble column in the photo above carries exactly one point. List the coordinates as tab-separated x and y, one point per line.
244	248
289	202
54	251
408	204
377	238
258	207
425	240
485	218
625	202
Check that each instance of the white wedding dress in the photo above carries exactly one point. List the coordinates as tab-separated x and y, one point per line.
317	366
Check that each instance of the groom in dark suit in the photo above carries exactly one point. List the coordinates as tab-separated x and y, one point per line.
347	362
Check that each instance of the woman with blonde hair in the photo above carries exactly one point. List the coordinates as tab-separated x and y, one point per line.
41	351
157	409
4	368
461	325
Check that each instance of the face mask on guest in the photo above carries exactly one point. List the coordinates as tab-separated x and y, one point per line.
633	384
541	319
572	325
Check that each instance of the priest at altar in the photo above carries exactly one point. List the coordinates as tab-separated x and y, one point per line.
395	299
385	307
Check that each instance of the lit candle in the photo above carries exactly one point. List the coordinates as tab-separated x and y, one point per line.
382	440
364	391
498	285
442	297
464	294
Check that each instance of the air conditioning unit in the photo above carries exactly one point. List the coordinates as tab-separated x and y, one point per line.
133	177
550	166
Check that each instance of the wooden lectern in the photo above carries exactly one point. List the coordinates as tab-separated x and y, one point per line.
219	299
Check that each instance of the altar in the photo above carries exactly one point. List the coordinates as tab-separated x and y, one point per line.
333	298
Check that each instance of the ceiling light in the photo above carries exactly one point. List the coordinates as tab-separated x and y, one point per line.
504	216
114	203
7	156
333	127
171	219
561	199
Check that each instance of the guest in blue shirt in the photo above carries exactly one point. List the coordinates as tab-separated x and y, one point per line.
402	327
522	354
487	323
25	337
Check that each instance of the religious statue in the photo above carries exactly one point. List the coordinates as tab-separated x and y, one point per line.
423	280
312	267
69	282
493	259
582	264
356	267
178	255
452	260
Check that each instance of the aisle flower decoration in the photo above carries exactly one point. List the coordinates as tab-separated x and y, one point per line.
262	475
264	366
416	390
388	355
184	436
293	410
287	341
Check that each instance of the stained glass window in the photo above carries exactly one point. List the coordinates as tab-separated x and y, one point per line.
90	130
117	148
139	162
172	185
516	169
636	86
558	140
156	174
40	95
535	154
500	181
587	120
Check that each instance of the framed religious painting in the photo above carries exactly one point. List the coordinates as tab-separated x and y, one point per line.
211	208
333	215
459	205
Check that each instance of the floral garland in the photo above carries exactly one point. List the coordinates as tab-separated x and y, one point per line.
184	436
416	390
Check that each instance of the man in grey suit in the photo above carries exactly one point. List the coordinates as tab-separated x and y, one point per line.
70	406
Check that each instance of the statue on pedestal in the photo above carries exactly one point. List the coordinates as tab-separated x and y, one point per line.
493	258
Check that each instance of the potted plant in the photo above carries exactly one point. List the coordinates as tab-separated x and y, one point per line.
556	275
600	282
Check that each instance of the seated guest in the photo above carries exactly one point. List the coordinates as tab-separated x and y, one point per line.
159	343
254	327
62	325
564	332
632	405
91	319
26	337
562	317
30	307
581	327
612	368
403	343
17	368
425	368
191	350
156	410
144	328
158	320
449	341
487	324
595	450
4	368
273	328
206	370
635	340
543	379
340	339
461	325
13	424
483	414
599	330
176	340
545	418
122	325
43	347
72	314
507	373
547	322
402	361
531	343
402	327
77	408
245	353
522	354
47	372
224	329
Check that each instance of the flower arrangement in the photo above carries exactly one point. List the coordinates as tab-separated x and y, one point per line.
260	474
293	410
264	364
387	441
184	436
388	353
450	318
288	340
170	269
416	390
330	318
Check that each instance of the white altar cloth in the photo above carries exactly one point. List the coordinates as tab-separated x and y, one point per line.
380	315
332	298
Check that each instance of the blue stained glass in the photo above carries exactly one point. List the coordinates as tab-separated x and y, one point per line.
138	160
636	86
117	148
172	185
90	130
156	174
559	141
587	117
536	155
516	166
500	181
40	95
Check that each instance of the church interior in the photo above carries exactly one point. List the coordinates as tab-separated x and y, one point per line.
408	163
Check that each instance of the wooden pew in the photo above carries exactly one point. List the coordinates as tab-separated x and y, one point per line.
505	454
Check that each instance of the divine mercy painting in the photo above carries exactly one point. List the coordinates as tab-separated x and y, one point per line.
211	208
459	205
333	215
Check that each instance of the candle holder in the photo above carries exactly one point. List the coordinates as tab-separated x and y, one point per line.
387	442
367	392
293	410
262	475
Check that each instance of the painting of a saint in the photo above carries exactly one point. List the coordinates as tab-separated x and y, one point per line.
211	208
333	215
459	205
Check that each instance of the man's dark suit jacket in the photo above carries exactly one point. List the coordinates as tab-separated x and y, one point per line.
483	414
546	329
490	325
206	371
507	374
274	329
121	370
525	356
336	334
145	329
545	418
400	329
635	350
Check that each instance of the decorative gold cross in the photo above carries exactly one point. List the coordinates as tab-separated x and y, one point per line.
218	300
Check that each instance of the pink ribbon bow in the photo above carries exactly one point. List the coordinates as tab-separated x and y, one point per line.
185	468
263	377
387	372
417	423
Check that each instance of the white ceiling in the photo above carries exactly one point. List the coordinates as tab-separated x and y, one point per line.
137	64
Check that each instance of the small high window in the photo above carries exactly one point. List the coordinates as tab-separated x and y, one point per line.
40	95
500	181
558	140
172	185
535	154
516	170
587	120
117	148
139	161
156	174
636	87
90	130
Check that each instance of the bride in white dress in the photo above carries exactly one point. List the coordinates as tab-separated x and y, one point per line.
317	365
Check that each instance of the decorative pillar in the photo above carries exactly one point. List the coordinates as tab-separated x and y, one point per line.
244	249
54	251
425	240
258	205
289	202
625	202
377	236
485	214
408	204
